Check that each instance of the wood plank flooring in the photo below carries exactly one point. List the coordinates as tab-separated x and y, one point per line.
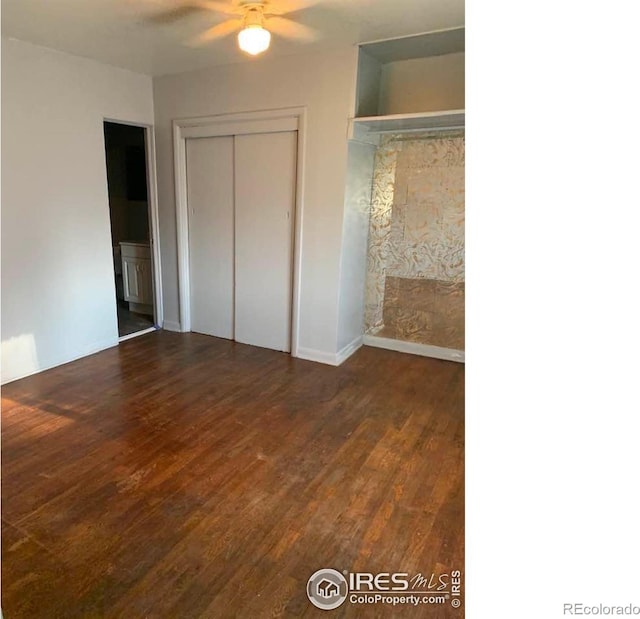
181	476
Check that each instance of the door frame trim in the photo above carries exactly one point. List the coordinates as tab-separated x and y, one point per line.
242	123
154	217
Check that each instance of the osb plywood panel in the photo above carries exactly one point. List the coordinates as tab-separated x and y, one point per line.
426	311
417	234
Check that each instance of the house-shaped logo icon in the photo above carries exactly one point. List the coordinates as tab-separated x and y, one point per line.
328	589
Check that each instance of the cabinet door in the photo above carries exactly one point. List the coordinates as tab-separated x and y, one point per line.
136	274
146	282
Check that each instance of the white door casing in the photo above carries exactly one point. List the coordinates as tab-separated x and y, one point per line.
155	270
269	121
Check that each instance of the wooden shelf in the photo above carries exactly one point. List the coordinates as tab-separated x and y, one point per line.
361	127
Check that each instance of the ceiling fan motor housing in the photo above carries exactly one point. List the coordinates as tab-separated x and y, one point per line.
254	14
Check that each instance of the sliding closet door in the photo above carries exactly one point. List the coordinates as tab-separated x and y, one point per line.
210	202
265	187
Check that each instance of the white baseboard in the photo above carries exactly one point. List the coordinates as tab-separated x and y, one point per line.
90	350
348	350
413	348
319	356
171	325
335	359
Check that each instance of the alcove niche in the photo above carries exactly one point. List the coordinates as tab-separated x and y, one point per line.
405	192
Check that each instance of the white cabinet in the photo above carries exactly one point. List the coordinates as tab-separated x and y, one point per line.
137	277
137	280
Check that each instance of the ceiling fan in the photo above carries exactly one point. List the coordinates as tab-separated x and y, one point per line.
254	20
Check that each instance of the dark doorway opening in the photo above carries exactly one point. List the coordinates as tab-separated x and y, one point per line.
126	159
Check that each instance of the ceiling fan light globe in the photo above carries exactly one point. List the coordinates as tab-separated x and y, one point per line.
254	39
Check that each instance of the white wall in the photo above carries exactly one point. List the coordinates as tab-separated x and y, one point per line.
324	83
58	291
353	265
422	85
368	86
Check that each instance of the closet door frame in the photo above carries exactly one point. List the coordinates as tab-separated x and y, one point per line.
263	121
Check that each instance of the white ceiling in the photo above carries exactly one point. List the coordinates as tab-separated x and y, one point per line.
118	32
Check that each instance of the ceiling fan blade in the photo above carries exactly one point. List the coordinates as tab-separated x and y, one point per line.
217	32
221	7
291	30
284	7
188	8
172	15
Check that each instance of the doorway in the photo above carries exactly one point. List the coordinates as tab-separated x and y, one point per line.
128	184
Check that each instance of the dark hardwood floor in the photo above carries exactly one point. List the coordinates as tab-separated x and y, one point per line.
180	476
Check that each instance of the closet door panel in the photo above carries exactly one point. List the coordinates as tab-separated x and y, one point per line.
211	252
265	184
